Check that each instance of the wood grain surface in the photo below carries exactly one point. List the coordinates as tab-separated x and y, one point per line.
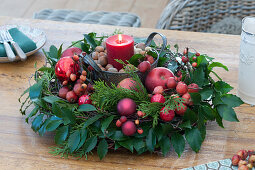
21	148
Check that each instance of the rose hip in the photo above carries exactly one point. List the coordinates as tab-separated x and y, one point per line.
83	78
158	98
144	66
62	92
118	123
140	130
73	77
123	119
185	59
197	54
181	110
140	113
194	64
76	58
150	59
84	73
71	97
186	98
137	122
158	90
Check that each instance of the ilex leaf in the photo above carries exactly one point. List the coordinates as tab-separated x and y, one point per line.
61	135
90	144
217	64
206	93
139	144
90	40
207	112
128	144
178	143
222	87
135	59
106	122
102	149
165	145
231	100
86	108
151	140
194	138
52	99
227	113
74	140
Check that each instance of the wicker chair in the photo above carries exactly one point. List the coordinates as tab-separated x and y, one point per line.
201	15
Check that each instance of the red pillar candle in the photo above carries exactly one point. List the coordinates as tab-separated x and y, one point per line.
119	47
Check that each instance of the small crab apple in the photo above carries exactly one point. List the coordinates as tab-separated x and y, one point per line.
158	90
235	160
76	58
171	83
193	88
181	110
137	122
140	130
194	58
118	123
197	54
78	90
185	51
252	160
194	64
181	88
166	115
73	77
71	97
123	119
140	113
84	99
243	167
62	92
242	162
186	98
150	59
243	154
144	66
185	59
84	73
158	98
128	128
65	83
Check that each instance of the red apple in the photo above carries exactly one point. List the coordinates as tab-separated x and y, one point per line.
166	115
128	83
158	77
71	97
144	66
193	88
150	59
158	90
126	107
186	97
181	110
128	128
84	99
158	98
62	92
181	88
171	83
71	52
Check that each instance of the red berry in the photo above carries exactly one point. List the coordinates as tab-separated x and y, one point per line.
137	122
144	66
65	83
62	92
185	51
186	98
68	73
243	154
197	54
194	64
158	98
166	115
181	110
235	160
158	90
118	123
140	113
84	99
83	78
90	88
84	73
193	88
71	97
123	119
181	88
171	83
194	58
76	58
140	130
84	86
128	128
78	90
150	59
73	77
185	59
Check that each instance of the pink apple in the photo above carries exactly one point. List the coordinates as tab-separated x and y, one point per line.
128	83
71	52
158	77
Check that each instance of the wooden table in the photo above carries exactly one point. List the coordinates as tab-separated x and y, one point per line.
21	148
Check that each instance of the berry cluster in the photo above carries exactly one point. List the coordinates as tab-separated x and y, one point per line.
239	159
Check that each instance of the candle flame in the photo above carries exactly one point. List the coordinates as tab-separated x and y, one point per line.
120	38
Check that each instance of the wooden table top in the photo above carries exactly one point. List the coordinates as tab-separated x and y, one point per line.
21	148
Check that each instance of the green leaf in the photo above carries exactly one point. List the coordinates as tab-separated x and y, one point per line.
90	144
135	59
158	131
53	52
206	93
86	108
61	135
32	113
185	125
178	143
68	116
42	129
151	140
216	75
118	136
56	110
165	145
201	60
60	51
193	137
74	140
53	125
35	91
198	76
172	65
217	98
102	149
217	64
139	40
231	100
37	122
83	134
207	112
48	69
51	99
153	54
128	144
227	113
162	61
190	115
218	119
90	40
106	122
222	87
139	144
196	98
92	120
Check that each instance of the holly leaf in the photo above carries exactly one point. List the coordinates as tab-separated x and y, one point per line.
90	40
178	143
231	100
196	98
139	144
106	122
217	98
61	135
222	87
90	144
86	108
207	112
151	140
128	144
193	137
102	149
198	76
74	140
218	119
227	113
185	125
165	145
217	64
206	93
135	59
202	60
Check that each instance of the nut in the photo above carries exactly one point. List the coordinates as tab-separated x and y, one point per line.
142	52
141	46
99	49
112	69
108	66
147	49
102	61
122	71
137	50
101	54
95	55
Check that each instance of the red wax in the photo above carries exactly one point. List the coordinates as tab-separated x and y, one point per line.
119	47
